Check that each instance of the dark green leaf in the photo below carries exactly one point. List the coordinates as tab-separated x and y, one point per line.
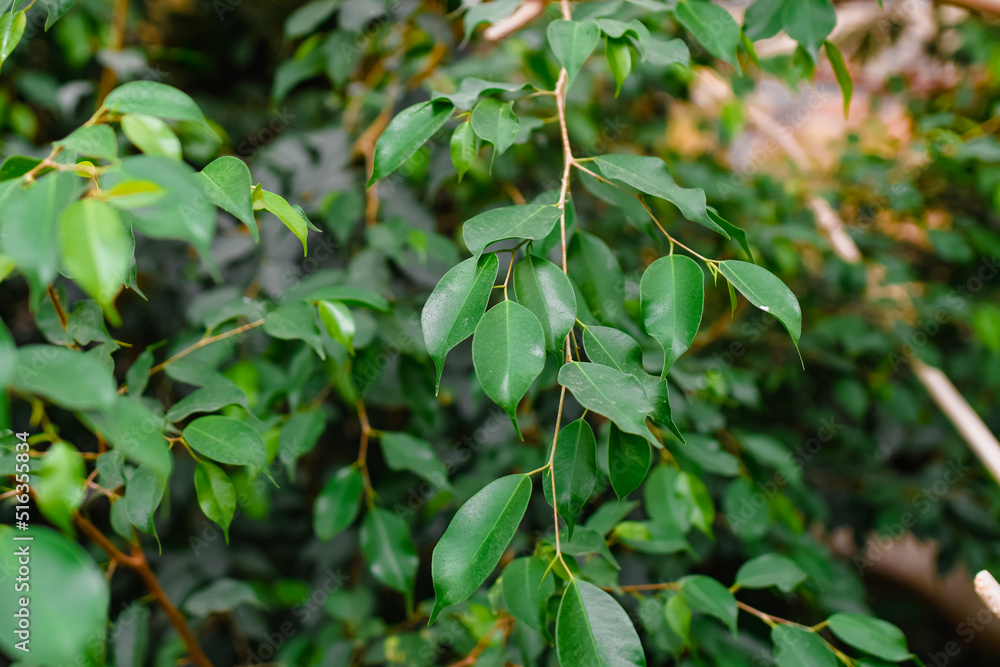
713	27
593	629
464	148
611	393
770	570
542	288
406	133
389	550
619	61
527	589
672	297
339	322
68	378
403	451
132	429
708	596
337	506
352	296
796	646
143	494
55	10
494	121
529	221
295	320
575	467
842	74
216	494
595	268
153	99
766	291
808	22
678	614
227	184
92	141
764	19
573	42
209	398
11	28
629	457
871	635
226	440
289	216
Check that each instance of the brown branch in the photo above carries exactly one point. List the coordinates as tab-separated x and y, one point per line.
505	623
60	313
203	342
366	431
522	16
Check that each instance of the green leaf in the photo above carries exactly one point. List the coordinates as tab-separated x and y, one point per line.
508	351
151	135
309	16
295	320
68	605
55	10
143	494
227	440
8	355
456	305
389	550
227	184
67	378
871	635
96	252
134	430
575	466
766	291
494	121
594	267
222	595
153	99
573	42
337	505
59	484
403	451
352	296
629	457
619	61
678	614
406	133
216	494
708	596
111	469
796	646
672	298
92	141
808	22
712	26
209	398
300	434
526	591
11	29
670	52
593	629
770	570
609	392
528	221
542	288
464	148
764	19
339	322
472	88
841	73
288	215
476	538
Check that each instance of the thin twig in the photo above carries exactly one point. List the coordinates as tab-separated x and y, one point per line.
60	313
205	341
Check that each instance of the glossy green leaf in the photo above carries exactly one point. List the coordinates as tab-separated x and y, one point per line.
808	22
796	646
508	351
841	73
464	148
871	635
766	291
573	42
672	298
713	26
226	440
68	604
575	466
143	494
68	378
456	305
527	587
92	141
770	570
595	269
153	99
708	596
389	550
216	494
476	538
612	393
610	347
593	629
629	457
95	250
542	288
227	184
406	133
619	61
339	322
494	121
11	29
151	135
288	215
337	504
403	451
528	221
59	484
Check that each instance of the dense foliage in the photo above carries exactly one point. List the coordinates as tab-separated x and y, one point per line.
384	339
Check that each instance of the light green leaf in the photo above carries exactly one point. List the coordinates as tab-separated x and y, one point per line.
67	378
594	267
339	322
69	604
11	28
389	550
542	288
708	596
288	215
871	635
227	184
808	22
476	538
95	250
403	451
337	505
528	221
713	27
575	468
796	646
770	570
494	121
464	148
216	494
406	133
153	99
456	305
672	298
629	457
612	393
766	291
92	141
59	484
143	494
593	629
619	61
573	42
508	351
151	135
841	73
226	440
526	591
